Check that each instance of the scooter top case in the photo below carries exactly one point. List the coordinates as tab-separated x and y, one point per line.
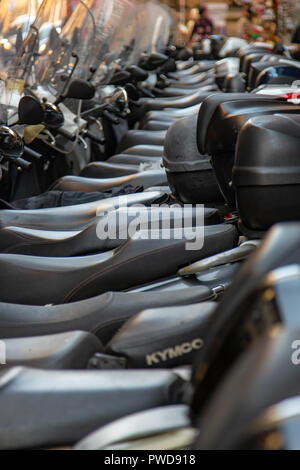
139	260
232	331
249	58
257	67
234	83
266	173
279	73
234	418
252	48
218	136
42	409
190	174
209	107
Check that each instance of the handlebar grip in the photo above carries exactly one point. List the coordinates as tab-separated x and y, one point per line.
24	164
32	153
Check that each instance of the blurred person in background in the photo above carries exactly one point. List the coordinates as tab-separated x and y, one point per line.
199	26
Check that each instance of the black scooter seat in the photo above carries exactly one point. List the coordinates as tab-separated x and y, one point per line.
165	337
124	158
71	350
107	170
158	125
198	67
147	150
184	102
198	79
139	137
26	241
102	315
171	114
57	408
40	281
143	179
71	217
210	105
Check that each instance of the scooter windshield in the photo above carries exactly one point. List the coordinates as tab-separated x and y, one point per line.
86	42
115	41
153	29
16	17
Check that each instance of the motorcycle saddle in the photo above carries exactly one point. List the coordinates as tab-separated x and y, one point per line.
71	350
145	150
81	184
193	99
158	125
27	241
200	67
198	79
39	281
180	91
102	315
173	338
107	170
163	337
71	217
141	137
134	159
173	114
57	408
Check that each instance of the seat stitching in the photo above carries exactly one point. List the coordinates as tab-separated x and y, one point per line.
122	264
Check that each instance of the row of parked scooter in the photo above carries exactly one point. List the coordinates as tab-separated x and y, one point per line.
111	338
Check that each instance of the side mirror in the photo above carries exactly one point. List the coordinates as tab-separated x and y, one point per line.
169	66
30	111
171	51
11	144
80	90
137	74
120	78
132	92
153	61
